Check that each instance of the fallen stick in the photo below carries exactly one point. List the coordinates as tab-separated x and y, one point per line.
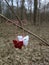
25	29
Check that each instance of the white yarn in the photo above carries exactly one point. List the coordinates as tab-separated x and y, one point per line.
24	39
20	38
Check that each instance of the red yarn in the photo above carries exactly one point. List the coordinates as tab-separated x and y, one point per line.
18	44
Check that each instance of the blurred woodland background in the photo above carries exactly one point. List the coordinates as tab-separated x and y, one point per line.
33	11
32	15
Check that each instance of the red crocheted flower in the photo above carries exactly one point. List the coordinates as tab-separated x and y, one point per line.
18	44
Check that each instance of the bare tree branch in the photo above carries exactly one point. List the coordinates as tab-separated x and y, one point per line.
14	13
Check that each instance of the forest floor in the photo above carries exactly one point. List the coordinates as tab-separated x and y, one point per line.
33	54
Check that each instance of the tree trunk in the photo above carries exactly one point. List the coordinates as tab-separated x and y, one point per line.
22	9
12	16
0	7
35	11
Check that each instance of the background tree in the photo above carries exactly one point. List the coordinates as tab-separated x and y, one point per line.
22	9
12	16
17	1
35	10
30	3
38	12
7	13
0	7
18	8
